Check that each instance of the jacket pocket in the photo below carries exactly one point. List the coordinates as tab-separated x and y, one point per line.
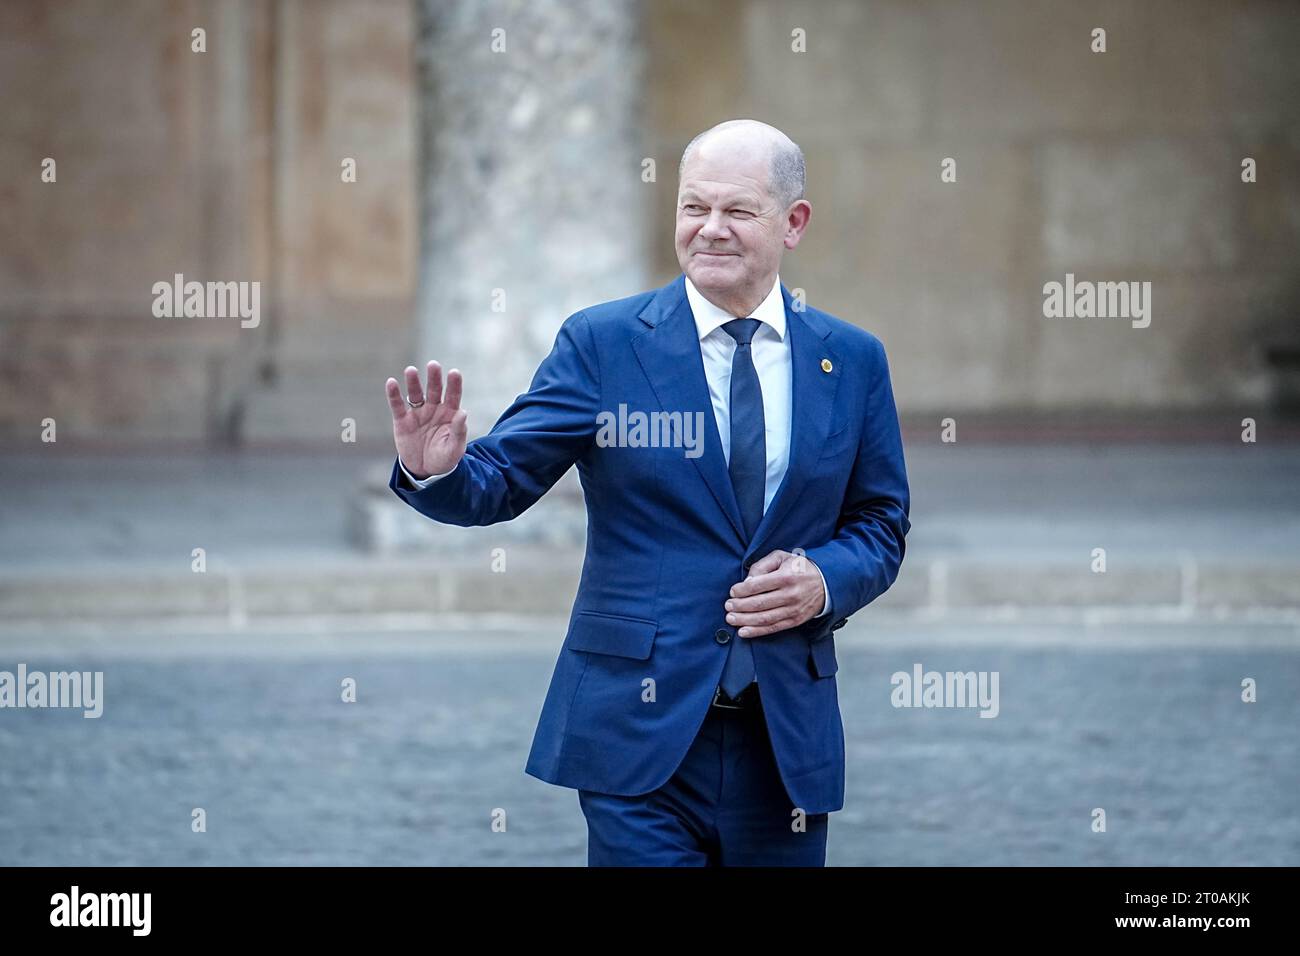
611	634
839	443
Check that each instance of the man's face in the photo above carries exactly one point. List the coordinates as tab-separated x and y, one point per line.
730	233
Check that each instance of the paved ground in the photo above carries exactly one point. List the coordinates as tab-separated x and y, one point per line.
1136	712
1144	722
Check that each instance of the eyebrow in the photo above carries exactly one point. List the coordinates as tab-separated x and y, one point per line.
742	200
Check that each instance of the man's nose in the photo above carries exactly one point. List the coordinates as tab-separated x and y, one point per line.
715	227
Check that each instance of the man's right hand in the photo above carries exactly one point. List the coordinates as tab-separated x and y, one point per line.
430	437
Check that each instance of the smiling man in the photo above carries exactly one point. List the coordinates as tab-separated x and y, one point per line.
694	704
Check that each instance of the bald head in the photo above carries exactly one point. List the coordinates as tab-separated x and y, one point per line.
746	137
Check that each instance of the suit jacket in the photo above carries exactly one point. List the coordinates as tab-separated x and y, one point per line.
665	539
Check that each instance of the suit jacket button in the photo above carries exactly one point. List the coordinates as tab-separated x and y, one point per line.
721	636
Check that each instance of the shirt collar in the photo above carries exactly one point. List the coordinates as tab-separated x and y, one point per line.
708	317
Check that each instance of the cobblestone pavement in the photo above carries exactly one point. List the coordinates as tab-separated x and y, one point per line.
1156	734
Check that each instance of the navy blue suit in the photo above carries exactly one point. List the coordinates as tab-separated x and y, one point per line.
665	540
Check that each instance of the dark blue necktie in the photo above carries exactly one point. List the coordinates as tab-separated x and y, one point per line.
748	468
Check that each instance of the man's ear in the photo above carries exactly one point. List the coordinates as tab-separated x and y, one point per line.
796	222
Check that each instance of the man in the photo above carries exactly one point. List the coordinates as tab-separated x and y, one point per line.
694	706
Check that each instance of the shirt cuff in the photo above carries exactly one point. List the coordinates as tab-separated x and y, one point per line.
421	482
826	606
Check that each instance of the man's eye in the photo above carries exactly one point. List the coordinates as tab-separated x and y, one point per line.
693	206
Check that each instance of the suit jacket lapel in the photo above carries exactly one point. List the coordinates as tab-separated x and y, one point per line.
669	353
812	394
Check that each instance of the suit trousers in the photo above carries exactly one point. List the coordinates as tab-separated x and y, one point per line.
725	805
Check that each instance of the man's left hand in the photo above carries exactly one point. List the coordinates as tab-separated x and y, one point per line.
783	590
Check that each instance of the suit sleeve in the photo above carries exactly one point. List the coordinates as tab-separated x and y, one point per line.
862	560
533	443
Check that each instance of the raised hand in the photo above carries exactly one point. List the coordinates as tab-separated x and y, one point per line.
430	437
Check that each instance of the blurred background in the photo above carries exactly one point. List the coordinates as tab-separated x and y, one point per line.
199	508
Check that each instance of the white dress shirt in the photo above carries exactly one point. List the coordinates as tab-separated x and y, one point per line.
770	350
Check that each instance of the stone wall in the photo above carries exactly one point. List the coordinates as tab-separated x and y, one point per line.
225	165
1122	165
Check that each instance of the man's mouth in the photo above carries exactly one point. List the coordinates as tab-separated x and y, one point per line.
716	254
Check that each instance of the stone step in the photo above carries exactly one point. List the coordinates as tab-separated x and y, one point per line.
535	583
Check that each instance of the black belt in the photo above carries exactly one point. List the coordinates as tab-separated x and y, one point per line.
747	699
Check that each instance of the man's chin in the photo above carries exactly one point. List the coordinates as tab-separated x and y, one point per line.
706	270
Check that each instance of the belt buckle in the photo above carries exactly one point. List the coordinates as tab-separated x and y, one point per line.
717	695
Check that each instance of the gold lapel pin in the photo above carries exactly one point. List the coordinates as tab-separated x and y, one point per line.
826	365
